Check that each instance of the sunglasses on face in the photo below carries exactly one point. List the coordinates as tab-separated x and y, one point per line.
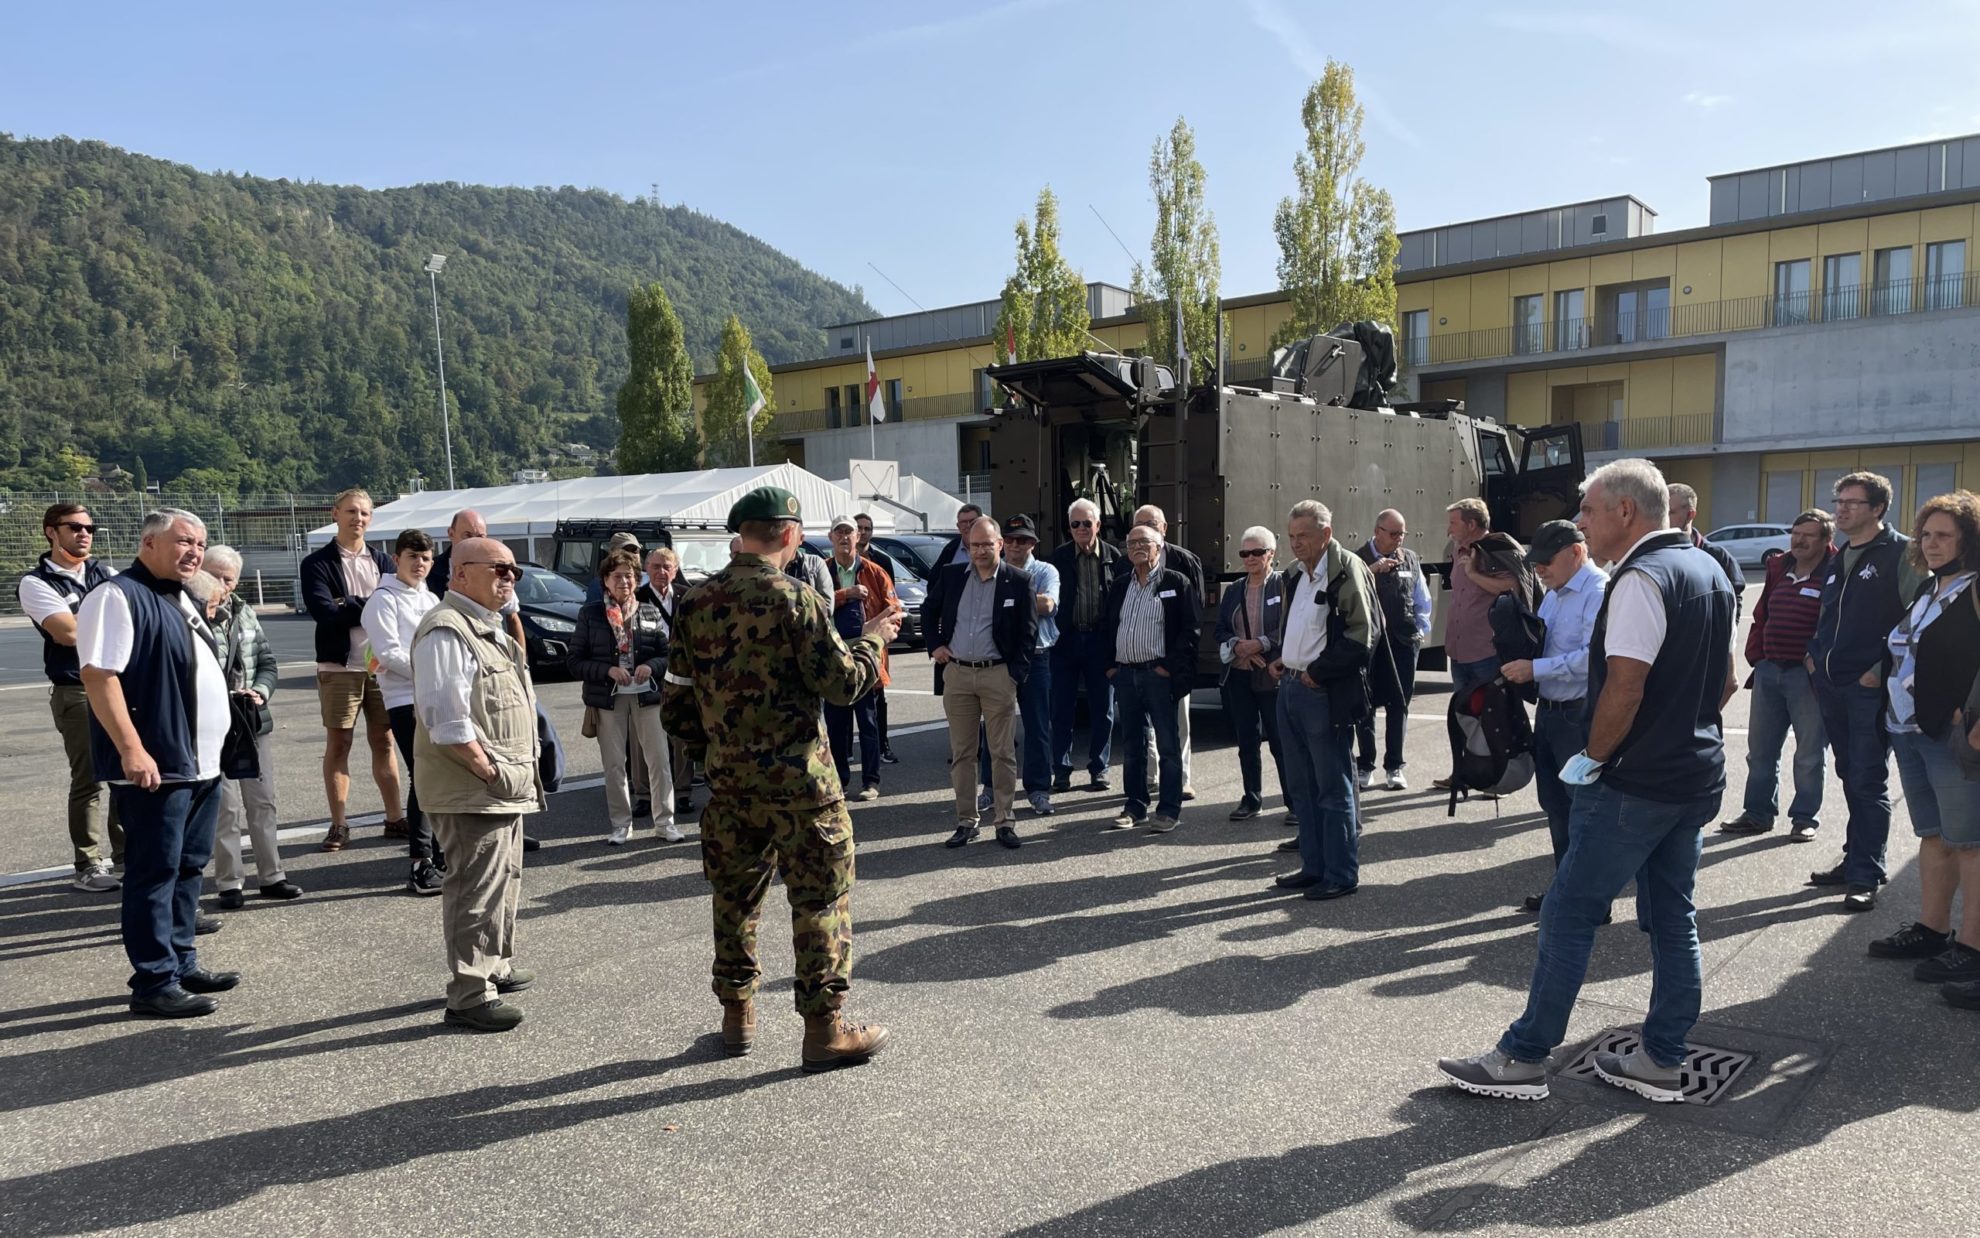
1253	554
506	570
87	530
1082	524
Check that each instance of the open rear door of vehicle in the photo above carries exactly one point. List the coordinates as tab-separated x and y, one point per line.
1546	485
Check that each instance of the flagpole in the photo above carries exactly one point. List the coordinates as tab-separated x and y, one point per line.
872	435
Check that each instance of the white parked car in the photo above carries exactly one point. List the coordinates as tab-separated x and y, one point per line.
1752	545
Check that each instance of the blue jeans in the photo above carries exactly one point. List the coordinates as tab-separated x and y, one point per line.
1612	838
1558	734
168	838
1319	768
1081	658
1468	675
839	720
1252	712
1783	696
1942	803
1034	701
1149	700
1853	717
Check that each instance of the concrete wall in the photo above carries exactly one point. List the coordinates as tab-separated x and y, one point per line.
1876	378
925	448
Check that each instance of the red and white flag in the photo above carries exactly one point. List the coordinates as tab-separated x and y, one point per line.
1010	342
875	405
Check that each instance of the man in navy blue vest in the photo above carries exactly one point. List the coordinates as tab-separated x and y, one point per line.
159	715
50	594
1659	675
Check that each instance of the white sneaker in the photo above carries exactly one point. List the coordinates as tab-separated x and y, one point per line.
618	836
1396	781
1366	779
670	833
98	880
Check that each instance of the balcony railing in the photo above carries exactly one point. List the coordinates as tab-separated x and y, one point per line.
1554	336
914	408
1648	433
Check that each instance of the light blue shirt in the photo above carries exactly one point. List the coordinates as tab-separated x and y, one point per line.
1045	584
1569	613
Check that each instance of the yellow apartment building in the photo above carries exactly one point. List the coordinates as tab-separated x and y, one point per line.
1826	318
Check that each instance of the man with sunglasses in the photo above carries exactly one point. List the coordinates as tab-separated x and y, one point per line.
1405	602
51	594
475	768
1088	566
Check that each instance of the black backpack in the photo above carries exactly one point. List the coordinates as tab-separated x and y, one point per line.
1491	742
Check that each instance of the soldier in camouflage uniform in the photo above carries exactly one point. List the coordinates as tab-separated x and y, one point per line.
754	654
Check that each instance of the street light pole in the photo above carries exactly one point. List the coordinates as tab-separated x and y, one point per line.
434	266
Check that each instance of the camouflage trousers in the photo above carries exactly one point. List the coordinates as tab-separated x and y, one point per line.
741	846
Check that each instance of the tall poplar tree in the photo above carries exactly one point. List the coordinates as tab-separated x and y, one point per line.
1182	253
656	403
1044	298
1337	233
728	401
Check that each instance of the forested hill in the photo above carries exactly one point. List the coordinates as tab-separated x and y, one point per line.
238	333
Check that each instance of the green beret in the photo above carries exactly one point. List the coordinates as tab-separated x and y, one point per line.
763	503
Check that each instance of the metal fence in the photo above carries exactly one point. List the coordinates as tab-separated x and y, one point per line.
268	530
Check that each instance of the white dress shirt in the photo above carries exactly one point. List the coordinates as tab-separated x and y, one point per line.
104	636
444	670
1306	618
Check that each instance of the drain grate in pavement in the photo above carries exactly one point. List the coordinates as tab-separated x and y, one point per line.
1708	1073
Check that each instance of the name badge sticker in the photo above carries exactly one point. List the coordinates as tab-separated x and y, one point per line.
1811	593
1009	602
1166	593
1402	574
1273	600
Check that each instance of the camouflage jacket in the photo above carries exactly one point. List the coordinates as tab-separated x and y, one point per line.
754	654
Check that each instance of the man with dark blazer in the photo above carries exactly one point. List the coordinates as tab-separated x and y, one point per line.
982	624
954	553
1088	567
1150	634
1405	600
1179	559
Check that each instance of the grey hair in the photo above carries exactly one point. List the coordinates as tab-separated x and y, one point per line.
203	586
1262	535
1311	509
1641	483
162	520
1083	504
1684	496
223	558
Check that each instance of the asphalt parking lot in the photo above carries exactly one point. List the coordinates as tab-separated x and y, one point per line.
1101	1033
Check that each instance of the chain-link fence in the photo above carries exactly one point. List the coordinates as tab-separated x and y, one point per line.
268	530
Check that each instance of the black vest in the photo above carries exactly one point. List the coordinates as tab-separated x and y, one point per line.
1397	596
58	660
159	682
1675	750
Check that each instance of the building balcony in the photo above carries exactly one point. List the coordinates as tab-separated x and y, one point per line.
914	408
1650	329
1638	434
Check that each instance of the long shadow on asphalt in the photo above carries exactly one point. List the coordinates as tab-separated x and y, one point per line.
184	1180
1899	1038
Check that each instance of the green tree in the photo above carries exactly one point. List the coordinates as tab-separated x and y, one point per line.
728	399
1337	234
1044	299
656	402
1183	254
140	480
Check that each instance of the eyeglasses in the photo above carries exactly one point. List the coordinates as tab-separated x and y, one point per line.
87	530
508	570
983	545
1854	503
1080	524
1253	554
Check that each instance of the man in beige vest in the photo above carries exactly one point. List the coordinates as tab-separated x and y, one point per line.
475	768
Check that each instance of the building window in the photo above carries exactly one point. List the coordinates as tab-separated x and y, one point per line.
832	413
1570	320
894	398
1934	480
1791	292
855	407
1529	324
1842	286
845	343
1633	312
1945	275
1892	271
1599	226
1416	337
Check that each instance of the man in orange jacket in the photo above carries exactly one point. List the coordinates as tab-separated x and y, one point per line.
861	589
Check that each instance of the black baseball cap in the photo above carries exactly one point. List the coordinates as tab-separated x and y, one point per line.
1020	526
1552	538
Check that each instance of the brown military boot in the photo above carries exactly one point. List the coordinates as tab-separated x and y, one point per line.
738	1027
832	1041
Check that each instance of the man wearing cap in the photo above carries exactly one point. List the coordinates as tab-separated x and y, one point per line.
755	654
594	591
1575	588
983	624
861	591
1034	699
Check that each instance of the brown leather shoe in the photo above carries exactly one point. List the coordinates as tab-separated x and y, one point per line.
738	1028
398	829
832	1041
336	838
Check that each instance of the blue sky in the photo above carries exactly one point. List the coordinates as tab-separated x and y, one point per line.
911	136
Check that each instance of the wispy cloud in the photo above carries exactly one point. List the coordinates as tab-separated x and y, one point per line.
1615	29
1705	101
1272	18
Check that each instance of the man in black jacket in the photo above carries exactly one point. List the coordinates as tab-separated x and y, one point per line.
954	553
336	581
1177	558
982	625
1683	511
1088	567
1405	600
1150	633
664	590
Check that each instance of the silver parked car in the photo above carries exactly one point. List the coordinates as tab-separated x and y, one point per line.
1752	545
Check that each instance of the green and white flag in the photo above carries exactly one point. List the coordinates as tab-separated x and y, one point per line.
754	394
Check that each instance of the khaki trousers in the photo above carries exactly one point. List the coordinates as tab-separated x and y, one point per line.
89	823
986	694
627	720
249	803
478	900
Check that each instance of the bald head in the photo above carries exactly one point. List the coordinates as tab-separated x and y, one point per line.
1390	529
1151	516
466	523
479	574
985	543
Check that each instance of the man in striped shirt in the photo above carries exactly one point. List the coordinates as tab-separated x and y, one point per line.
1783	695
